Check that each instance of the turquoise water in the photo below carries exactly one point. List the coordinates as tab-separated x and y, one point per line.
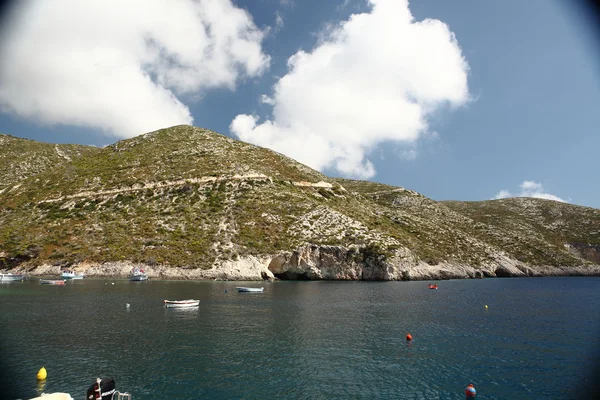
304	340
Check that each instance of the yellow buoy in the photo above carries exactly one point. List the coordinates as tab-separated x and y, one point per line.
486	306
42	374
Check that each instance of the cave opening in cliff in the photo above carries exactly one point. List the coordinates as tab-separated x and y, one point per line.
502	273
292	276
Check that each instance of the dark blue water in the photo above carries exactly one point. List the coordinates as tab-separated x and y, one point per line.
305	340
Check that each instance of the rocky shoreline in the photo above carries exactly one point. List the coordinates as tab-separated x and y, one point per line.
319	263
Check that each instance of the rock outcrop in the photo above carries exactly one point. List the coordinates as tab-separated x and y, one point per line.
245	269
313	262
587	251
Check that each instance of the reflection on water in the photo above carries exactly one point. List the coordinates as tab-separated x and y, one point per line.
41	387
188	313
322	340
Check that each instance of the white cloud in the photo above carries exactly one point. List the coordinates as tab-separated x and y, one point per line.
376	77
343	5
529	189
503	194
264	99
287	3
278	21
122	66
408	154
531	186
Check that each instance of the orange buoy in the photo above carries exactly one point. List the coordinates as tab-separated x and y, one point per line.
409	337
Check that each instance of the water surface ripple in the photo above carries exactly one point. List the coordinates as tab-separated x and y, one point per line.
304	340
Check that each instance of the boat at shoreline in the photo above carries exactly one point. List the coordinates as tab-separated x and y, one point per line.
434	287
181	303
72	275
104	388
52	281
138	275
250	289
11	277
54	396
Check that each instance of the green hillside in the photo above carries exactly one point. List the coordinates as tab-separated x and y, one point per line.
189	198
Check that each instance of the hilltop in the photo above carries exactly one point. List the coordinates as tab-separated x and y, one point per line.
21	158
186	202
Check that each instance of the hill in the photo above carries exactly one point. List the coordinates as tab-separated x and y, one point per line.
21	158
186	202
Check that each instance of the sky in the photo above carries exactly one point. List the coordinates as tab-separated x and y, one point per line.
458	100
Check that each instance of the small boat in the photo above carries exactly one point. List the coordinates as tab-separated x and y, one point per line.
250	289
11	277
54	396
52	281
101	389
138	275
181	303
72	275
433	286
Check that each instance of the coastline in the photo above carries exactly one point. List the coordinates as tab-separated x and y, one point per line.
268	269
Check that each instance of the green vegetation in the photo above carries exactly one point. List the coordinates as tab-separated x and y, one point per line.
189	197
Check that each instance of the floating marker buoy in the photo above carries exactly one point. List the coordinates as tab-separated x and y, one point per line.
127	305
470	391
112	283
42	374
409	337
486	306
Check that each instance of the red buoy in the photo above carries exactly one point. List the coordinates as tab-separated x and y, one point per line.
409	337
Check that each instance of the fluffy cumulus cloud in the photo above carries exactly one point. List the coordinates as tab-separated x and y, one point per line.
374	78
529	189
122	66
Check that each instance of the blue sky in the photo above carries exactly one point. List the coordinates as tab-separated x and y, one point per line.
485	99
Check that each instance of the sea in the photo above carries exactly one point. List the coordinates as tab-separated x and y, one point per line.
513	338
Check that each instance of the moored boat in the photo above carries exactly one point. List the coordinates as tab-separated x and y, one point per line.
11	277
250	289
72	275
433	286
138	275
52	281
181	303
54	396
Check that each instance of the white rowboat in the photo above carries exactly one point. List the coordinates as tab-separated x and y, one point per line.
10	277
181	303
250	289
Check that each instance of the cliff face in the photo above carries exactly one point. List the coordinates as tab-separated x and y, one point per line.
339	263
319	263
586	251
188	203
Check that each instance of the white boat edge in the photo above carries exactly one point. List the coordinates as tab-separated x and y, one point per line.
181	303
53	396
11	277
250	289
72	275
